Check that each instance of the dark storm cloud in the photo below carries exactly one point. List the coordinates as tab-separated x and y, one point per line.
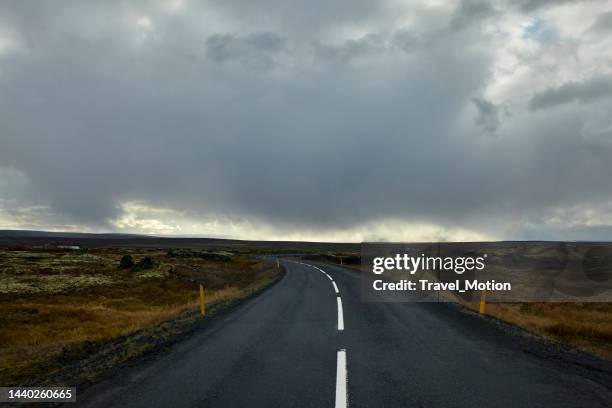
533	5
603	22
318	115
407	40
593	89
489	115
256	49
304	16
367	46
469	12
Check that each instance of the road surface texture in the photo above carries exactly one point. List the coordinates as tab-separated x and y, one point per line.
309	341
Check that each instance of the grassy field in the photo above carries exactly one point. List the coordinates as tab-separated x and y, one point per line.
584	325
56	302
60	306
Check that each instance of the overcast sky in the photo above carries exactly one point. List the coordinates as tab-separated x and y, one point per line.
341	120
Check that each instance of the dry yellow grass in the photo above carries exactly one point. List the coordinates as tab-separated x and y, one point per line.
587	326
38	329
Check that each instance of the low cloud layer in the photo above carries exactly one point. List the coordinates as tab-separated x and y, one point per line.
348	120
590	90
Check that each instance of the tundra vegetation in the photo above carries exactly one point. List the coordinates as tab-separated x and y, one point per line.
60	304
583	325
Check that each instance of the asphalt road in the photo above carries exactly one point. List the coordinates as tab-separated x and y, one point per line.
291	347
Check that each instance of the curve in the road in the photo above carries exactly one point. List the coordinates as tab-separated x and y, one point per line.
279	349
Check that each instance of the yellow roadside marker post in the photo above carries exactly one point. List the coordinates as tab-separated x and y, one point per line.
277	264
483	301
202	304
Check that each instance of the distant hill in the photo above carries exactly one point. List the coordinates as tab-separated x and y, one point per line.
12	238
51	234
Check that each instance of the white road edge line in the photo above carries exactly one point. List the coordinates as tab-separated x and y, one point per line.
341	380
340	314
335	287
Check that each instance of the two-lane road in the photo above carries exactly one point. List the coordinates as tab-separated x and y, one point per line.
309	341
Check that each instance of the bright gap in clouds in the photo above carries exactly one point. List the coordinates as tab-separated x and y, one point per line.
139	217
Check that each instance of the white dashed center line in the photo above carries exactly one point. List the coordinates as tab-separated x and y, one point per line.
335	287
340	314
341	371
341	399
